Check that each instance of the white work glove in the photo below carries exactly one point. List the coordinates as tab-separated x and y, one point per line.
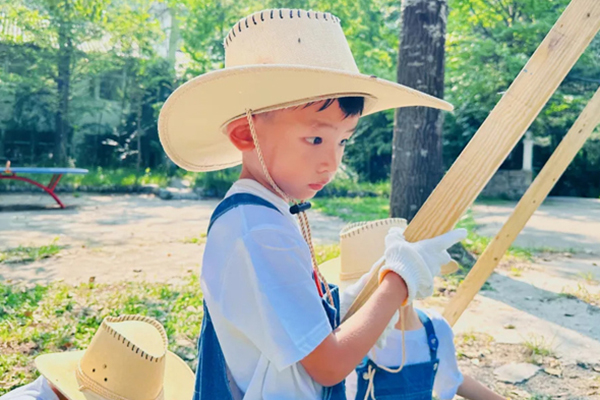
417	263
350	294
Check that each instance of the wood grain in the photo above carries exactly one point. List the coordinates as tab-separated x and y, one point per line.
531	200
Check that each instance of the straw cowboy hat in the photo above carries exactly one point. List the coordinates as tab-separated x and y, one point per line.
362	244
273	59
126	360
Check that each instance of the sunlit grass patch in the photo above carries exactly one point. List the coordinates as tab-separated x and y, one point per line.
24	254
37	319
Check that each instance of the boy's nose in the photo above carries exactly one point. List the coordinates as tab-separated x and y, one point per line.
331	160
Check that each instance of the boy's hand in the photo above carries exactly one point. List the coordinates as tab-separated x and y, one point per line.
417	263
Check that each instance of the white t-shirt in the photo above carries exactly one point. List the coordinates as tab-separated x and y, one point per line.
36	390
258	286
448	377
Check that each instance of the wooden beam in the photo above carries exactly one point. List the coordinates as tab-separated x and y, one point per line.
531	200
503	128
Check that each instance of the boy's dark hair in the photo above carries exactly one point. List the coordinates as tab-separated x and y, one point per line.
350	106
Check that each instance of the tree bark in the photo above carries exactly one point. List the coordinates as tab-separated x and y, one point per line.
63	84
417	145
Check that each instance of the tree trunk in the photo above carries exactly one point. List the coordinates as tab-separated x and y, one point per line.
173	38
417	145
138	163
2	155
63	84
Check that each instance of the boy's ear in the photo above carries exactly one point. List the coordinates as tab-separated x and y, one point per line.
239	134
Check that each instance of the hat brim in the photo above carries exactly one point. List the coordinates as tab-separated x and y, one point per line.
59	369
331	270
192	119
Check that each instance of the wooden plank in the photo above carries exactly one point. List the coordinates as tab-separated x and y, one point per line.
503	128
531	200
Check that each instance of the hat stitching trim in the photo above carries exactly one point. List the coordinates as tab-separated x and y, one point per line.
360	227
148	320
326	16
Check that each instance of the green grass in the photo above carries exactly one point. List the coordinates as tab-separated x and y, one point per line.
58	317
201	239
326	252
22	254
536	347
581	293
38	319
354	209
588	277
102	177
118	177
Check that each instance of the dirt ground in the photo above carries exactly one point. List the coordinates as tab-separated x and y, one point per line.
549	306
114	237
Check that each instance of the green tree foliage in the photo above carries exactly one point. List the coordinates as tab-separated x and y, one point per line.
488	43
49	46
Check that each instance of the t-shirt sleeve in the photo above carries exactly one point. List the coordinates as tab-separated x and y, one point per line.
270	296
448	377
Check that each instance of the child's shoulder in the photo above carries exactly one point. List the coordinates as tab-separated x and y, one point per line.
259	219
253	207
440	325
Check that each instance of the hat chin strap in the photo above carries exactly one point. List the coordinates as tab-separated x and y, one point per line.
301	213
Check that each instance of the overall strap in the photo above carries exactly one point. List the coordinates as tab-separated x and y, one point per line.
237	200
432	339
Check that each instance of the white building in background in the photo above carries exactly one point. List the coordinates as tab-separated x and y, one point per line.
512	184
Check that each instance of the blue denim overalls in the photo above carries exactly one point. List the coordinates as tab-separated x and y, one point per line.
413	382
213	379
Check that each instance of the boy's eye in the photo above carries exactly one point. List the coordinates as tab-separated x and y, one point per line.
344	142
314	140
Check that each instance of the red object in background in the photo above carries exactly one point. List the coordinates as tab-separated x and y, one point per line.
57	173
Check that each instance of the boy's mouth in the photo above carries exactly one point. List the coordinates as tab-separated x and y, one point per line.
317	186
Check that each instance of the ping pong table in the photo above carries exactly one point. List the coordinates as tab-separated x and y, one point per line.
57	173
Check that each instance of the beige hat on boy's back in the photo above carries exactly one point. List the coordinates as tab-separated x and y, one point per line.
126	360
273	59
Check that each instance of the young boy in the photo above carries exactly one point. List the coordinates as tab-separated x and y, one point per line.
422	353
417	359
284	107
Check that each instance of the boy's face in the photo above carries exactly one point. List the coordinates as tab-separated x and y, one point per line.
302	147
